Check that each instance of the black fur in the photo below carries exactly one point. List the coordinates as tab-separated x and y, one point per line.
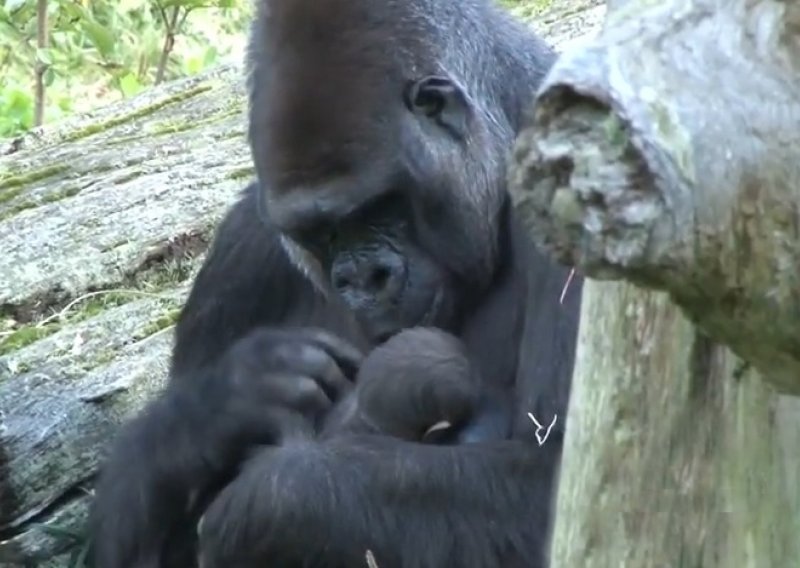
419	379
379	131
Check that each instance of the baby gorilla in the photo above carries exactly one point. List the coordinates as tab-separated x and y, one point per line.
420	386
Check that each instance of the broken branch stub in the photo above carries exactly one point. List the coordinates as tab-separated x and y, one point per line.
667	152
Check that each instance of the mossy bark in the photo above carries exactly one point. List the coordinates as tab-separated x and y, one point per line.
103	221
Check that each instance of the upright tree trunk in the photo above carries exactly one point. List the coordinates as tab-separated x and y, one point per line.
676	451
667	153
42	35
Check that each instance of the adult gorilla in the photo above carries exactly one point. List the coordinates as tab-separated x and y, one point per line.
379	130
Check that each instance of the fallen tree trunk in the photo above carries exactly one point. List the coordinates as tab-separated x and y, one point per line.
666	153
102	219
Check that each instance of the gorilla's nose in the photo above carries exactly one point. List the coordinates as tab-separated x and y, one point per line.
379	274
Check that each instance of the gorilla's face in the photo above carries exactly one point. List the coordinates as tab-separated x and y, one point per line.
382	172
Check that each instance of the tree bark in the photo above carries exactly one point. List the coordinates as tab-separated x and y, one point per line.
42	41
666	153
677	453
103	221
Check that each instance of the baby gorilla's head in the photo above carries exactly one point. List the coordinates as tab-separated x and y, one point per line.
431	353
418	350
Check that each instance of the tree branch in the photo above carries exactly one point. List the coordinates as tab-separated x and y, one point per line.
41	66
666	153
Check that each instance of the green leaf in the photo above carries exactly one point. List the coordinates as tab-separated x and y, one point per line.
18	103
132	5
129	85
210	56
64	104
44	55
49	77
100	37
73	9
193	65
14	5
187	4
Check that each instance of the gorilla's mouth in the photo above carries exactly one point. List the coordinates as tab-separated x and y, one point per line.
427	319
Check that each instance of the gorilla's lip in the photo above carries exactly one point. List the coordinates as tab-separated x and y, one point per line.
383	335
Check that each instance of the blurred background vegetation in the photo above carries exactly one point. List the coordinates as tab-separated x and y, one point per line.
97	51
58	57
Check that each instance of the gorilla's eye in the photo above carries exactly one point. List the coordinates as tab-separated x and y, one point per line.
429	96
439	99
429	102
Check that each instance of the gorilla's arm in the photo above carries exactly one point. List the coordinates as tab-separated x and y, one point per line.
218	402
479	504
247	281
411	504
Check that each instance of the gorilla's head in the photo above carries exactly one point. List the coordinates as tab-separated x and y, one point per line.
379	130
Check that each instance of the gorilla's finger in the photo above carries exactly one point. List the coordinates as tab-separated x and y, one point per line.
297	391
346	355
268	425
292	427
322	366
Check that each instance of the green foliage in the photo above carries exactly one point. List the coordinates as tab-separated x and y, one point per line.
102	50
527	9
16	109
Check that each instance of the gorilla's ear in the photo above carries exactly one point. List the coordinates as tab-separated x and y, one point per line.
441	100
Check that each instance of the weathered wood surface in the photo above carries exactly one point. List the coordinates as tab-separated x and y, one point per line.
666	152
677	453
100	220
103	220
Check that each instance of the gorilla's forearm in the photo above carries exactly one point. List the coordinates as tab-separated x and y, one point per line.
391	497
487	497
145	490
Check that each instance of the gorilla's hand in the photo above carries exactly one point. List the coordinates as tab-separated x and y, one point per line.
418	379
267	388
276	384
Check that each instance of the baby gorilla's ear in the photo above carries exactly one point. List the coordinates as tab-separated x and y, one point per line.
439	433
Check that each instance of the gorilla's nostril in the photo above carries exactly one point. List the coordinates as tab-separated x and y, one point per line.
380	278
375	275
341	283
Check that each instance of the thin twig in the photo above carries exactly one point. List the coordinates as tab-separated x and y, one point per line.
169	42
41	66
63	312
566	286
371	560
